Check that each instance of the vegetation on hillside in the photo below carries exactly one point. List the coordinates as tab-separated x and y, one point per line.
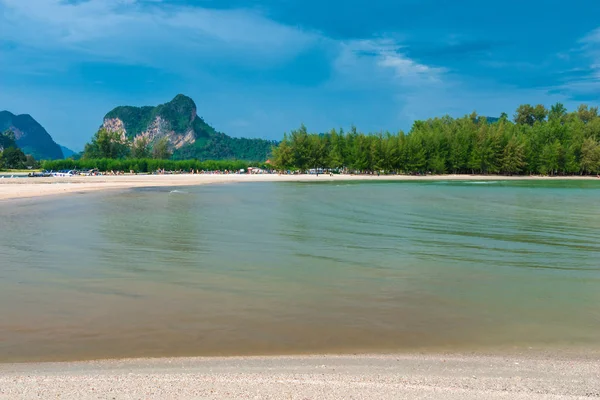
33	138
539	141
178	113
180	116
11	156
223	147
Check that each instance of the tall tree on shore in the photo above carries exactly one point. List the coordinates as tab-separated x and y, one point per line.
13	158
590	156
513	157
107	144
282	154
140	148
300	148
160	149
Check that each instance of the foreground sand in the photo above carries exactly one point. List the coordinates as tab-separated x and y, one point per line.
310	377
14	188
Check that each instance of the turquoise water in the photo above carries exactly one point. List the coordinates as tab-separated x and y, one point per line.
281	268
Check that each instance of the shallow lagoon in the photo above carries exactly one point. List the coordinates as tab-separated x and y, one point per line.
280	268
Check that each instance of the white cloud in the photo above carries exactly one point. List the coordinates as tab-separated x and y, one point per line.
586	78
131	32
373	83
383	59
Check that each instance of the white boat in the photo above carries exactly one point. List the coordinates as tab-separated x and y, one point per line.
63	173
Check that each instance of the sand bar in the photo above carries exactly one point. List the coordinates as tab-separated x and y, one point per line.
310	377
15	188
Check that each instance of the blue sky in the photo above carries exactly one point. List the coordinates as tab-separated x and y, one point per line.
260	68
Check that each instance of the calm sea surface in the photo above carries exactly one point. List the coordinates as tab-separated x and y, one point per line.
278	268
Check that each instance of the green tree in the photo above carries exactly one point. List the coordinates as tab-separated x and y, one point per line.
13	158
485	157
107	144
527	114
336	151
558	112
414	155
300	148
587	114
550	158
524	115
590	156
140	147
539	113
160	149
282	154
513	157
317	154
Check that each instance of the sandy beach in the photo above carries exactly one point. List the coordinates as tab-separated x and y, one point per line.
23	187
310	377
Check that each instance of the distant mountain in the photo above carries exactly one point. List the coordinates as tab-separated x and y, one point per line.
489	120
188	134
67	152
6	141
30	136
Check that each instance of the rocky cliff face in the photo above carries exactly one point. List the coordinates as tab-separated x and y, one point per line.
188	134
30	136
176	120
156	130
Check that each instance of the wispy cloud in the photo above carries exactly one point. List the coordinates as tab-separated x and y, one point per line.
71	61
384	59
186	38
140	32
583	79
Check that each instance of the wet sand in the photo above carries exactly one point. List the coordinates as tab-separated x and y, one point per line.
440	376
14	188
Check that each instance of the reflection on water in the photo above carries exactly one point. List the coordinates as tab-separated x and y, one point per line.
296	268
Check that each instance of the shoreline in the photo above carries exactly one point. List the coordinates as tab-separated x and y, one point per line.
22	188
423	376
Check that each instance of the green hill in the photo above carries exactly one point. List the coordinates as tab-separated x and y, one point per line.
30	136
190	137
67	152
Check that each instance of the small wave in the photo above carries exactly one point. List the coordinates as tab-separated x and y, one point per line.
178	191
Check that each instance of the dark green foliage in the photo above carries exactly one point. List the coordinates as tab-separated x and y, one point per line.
219	146
140	148
106	144
13	158
7	139
148	165
32	138
528	115
160	149
179	113
545	142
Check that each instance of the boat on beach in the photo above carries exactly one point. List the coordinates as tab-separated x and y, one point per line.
63	173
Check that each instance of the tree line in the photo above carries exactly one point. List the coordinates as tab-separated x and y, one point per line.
141	165
107	144
537	141
116	145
